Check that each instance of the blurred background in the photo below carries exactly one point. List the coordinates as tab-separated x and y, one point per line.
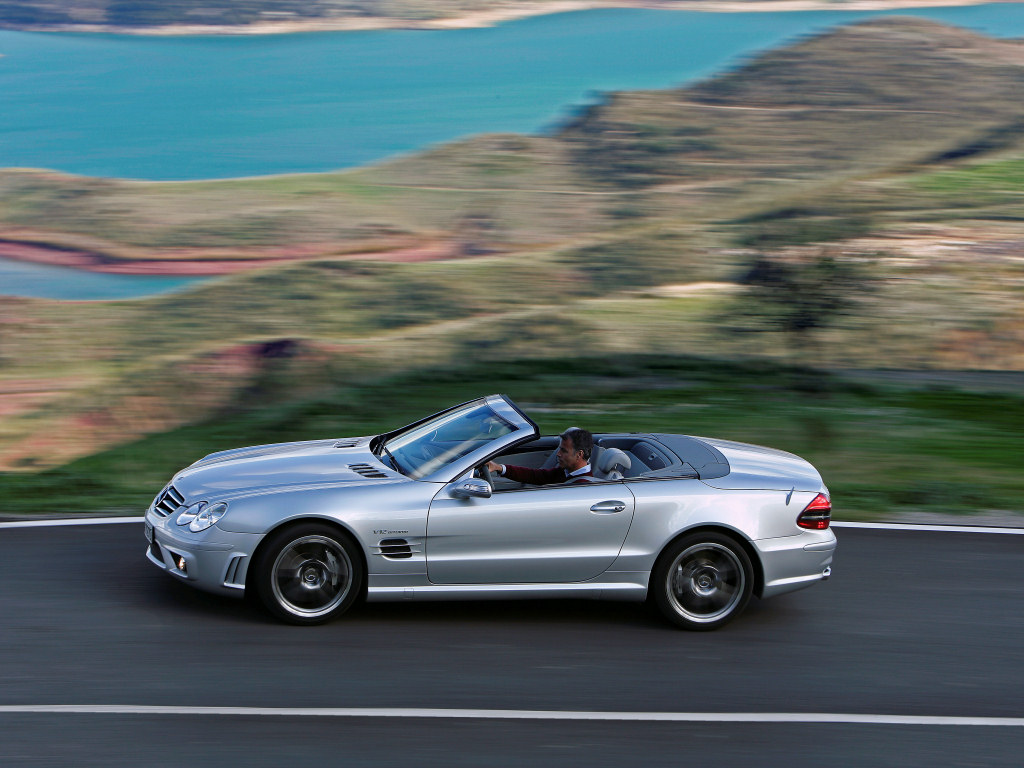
802	229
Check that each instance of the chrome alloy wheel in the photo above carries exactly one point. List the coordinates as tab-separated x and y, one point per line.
311	576
706	582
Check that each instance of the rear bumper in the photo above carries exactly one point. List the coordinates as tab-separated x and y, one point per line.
795	562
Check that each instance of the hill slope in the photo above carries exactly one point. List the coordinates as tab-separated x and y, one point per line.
892	147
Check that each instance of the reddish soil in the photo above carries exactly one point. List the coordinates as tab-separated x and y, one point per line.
196	262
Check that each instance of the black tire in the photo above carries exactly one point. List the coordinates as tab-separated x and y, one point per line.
702	581
309	573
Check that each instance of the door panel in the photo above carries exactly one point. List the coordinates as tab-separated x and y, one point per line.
527	536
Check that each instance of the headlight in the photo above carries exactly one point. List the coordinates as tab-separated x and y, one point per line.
202	515
207	516
190	514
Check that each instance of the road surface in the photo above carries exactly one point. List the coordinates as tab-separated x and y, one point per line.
914	627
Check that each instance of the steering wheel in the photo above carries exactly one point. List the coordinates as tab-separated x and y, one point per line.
485	474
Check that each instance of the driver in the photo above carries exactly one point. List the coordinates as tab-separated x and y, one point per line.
573	457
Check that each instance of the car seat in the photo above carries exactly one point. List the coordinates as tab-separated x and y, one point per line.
611	464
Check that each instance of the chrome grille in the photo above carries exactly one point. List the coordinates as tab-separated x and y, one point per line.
168	501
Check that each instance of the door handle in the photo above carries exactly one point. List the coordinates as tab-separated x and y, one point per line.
608	507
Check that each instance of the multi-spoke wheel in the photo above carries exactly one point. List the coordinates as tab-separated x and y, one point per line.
702	581
309	574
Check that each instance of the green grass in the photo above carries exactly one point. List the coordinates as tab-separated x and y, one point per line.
996	183
881	451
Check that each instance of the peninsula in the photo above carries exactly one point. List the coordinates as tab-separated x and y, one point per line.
226	17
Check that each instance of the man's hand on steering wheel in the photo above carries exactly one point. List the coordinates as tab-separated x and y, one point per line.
485	471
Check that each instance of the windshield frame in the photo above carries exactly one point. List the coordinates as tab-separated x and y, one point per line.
523	430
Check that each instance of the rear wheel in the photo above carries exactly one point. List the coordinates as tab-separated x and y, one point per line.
702	581
309	574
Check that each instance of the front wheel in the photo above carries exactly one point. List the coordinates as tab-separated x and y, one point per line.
309	574
702	581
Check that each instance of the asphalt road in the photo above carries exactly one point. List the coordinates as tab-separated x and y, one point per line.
911	623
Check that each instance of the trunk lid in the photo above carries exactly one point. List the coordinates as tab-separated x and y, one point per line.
754	467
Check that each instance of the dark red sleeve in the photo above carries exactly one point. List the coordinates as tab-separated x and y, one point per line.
535	476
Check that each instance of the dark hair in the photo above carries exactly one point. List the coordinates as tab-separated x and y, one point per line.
581	440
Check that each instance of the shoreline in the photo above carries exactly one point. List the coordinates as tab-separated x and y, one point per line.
198	264
497	16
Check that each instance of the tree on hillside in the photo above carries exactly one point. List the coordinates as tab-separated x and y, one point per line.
797	296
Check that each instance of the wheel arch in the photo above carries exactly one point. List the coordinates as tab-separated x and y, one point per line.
295	522
731	533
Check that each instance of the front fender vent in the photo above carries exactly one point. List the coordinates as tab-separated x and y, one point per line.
367	470
168	501
234	572
396	549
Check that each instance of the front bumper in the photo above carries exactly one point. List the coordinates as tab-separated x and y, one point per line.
795	562
213	560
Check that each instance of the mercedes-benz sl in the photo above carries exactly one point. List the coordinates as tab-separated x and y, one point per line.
694	525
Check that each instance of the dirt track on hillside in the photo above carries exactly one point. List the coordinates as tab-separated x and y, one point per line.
194	263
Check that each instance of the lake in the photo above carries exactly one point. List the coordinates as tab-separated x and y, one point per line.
51	282
214	107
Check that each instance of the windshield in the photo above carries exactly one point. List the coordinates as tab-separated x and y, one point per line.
441	440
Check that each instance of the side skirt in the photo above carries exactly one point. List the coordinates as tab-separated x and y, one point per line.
604	591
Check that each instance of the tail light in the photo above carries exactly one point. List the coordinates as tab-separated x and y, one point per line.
817	515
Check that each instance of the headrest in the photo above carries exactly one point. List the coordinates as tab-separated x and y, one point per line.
611	458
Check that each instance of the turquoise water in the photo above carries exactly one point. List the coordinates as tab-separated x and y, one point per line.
50	282
214	107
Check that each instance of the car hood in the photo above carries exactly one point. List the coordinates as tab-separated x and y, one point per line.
754	467
268	468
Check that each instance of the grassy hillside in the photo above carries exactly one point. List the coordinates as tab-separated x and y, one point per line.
891	151
865	99
883	451
493	192
865	103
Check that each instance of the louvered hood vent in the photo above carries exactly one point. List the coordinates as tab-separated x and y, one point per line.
367	470
349	442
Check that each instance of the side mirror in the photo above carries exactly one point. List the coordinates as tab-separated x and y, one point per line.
472	488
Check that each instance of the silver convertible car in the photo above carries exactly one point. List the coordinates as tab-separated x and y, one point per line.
695	525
